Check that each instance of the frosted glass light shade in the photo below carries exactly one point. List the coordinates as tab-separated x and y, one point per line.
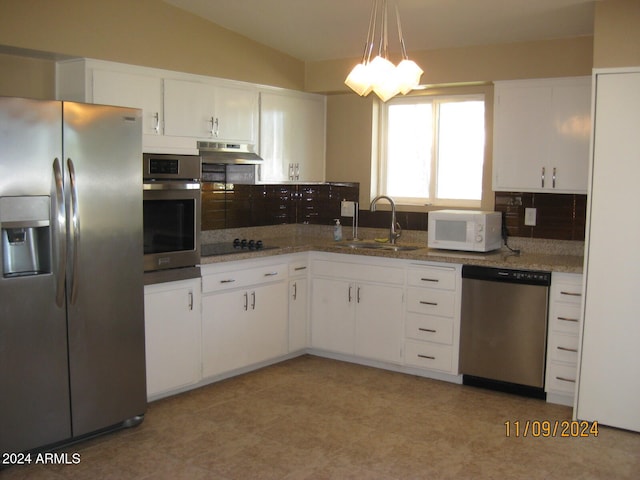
409	74
358	80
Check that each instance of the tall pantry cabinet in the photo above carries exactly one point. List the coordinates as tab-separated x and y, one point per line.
609	379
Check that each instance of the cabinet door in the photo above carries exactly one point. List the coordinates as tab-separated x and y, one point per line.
172	331
131	90
379	322
268	332
333	315
298	314
292	137
569	144
225	327
521	127
189	109
237	112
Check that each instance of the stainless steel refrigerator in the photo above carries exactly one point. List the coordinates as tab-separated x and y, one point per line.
72	359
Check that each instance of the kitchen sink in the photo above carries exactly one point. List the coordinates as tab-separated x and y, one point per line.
377	246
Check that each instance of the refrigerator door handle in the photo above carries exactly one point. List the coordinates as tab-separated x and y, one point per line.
61	234
75	225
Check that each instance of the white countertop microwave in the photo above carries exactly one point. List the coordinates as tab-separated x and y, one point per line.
467	230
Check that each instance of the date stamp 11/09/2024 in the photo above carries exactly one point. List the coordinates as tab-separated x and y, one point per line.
550	428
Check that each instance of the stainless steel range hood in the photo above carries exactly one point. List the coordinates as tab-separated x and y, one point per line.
228	153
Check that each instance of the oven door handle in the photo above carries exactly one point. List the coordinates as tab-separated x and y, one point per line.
171	186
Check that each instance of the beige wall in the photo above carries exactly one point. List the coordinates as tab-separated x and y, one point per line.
143	32
552	58
617	34
27	77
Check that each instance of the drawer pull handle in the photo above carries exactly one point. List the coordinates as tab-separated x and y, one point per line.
297	269
430	280
566	319
271	274
428	357
427	330
571	294
230	280
424	302
562	379
573	350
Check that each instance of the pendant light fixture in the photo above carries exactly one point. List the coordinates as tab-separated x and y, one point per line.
379	75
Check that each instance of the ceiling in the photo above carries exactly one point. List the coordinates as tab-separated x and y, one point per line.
312	30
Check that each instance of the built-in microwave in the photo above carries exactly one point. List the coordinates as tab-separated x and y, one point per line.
467	230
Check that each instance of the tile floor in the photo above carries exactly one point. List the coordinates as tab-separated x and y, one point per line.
315	418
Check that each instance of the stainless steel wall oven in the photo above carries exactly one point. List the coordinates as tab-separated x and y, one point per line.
171	216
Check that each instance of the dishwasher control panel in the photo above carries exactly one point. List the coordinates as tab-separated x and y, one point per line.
530	277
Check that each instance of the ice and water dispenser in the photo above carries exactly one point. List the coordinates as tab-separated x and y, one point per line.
26	235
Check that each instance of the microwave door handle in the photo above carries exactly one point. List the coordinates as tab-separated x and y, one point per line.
60	232
75	224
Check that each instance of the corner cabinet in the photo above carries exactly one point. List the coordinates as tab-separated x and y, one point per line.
541	135
292	136
172	336
356	307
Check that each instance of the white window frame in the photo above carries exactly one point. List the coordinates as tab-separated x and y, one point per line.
382	157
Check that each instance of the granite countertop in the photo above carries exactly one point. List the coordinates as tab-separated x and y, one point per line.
502	258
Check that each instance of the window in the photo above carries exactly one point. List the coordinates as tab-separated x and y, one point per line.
433	150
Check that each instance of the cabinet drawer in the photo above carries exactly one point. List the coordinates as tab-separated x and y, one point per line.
564	348
567	293
561	378
429	328
443	278
298	268
428	355
242	278
359	272
431	302
565	318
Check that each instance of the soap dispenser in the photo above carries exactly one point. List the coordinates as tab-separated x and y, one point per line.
337	230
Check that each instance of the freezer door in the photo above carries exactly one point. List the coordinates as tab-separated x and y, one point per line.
105	290
34	398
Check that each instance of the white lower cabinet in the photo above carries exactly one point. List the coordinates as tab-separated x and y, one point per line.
357	307
565	305
172	336
244	315
432	327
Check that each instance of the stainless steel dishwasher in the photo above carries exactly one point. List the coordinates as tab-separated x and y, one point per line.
503	332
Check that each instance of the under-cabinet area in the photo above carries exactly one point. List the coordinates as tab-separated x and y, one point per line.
392	313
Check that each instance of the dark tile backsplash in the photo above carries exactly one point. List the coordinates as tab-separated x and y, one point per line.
559	216
273	204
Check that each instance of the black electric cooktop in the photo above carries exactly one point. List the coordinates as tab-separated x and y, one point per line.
237	246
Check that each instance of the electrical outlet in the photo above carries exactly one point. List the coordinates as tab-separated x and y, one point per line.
347	209
530	217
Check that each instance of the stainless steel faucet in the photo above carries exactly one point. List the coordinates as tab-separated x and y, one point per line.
393	233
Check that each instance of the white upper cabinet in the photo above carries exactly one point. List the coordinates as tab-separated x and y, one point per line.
541	135
292	136
131	90
178	108
210	112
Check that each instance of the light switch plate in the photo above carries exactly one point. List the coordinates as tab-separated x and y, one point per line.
346	209
530	217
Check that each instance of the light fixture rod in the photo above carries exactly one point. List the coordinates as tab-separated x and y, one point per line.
368	45
402	45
